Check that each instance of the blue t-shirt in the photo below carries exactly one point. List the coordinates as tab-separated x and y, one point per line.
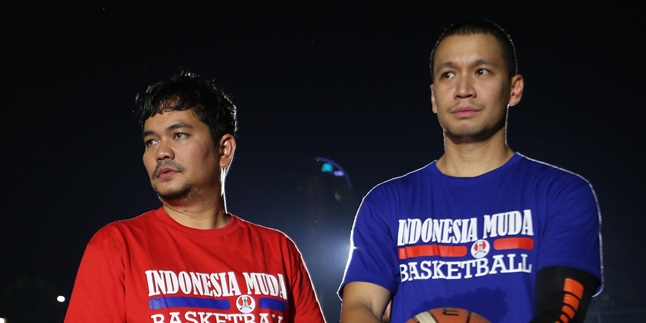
439	241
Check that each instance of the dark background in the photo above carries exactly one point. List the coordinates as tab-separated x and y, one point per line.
341	81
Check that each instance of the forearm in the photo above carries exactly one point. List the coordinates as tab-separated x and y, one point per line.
563	294
358	313
364	303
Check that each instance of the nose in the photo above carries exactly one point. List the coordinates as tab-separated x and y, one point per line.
165	150
464	88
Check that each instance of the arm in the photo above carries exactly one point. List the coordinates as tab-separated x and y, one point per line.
98	294
563	294
307	308
363	303
570	253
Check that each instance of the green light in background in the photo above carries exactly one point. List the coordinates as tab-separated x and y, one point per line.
327	168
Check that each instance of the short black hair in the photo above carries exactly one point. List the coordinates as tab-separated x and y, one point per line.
474	26
189	91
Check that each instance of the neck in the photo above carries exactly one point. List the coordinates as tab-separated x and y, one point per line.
473	159
202	216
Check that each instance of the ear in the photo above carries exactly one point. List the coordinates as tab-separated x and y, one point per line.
433	104
227	149
517	86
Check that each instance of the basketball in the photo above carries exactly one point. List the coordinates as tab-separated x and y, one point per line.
448	315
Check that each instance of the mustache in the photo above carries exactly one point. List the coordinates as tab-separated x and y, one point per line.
167	163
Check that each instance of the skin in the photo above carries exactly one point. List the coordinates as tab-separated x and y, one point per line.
471	94
187	168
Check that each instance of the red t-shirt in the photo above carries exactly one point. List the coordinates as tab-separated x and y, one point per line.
151	269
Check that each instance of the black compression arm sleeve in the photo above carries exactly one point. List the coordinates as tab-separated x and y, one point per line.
563	294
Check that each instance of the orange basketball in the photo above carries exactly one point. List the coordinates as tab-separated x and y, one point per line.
448	315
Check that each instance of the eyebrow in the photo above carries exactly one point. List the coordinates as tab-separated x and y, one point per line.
478	62
174	126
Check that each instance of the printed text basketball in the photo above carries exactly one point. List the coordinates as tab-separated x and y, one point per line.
448	315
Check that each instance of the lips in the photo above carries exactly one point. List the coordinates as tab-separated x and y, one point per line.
165	172
464	112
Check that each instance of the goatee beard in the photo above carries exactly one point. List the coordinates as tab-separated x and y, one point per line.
176	195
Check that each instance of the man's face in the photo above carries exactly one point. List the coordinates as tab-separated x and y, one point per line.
180	156
471	90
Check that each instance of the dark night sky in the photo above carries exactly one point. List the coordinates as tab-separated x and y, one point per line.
346	82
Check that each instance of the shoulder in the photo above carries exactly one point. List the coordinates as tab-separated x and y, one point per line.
550	171
266	238
408	180
120	230
554	180
261	230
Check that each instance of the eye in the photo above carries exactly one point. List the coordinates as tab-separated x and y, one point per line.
180	135
482	71
446	75
150	142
